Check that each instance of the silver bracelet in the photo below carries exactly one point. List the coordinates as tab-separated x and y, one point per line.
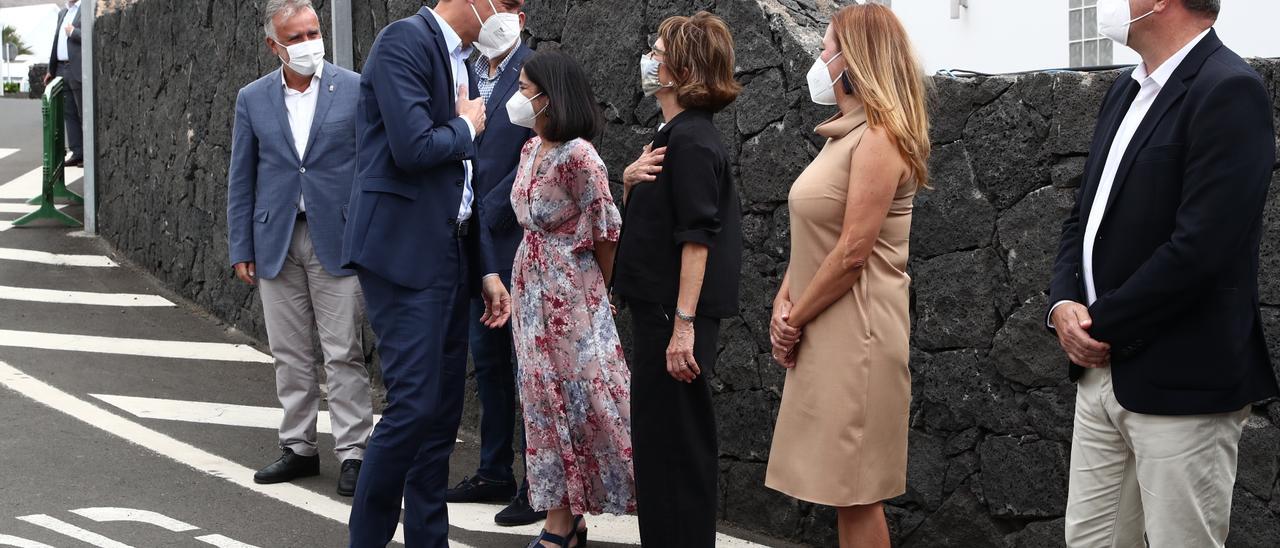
683	316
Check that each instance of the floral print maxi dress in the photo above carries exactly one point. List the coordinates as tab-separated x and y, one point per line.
574	381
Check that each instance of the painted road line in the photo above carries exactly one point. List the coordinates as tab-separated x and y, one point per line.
29	184
173	449
66	529
604	528
133	515
223	542
5	225
42	257
60	296
134	347
6	152
222	414
19	542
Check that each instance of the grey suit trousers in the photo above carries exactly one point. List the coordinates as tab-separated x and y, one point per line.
303	302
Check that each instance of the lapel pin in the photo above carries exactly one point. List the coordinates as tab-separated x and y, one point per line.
330	88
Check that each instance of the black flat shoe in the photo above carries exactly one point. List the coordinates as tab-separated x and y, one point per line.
478	489
347	479
288	467
519	512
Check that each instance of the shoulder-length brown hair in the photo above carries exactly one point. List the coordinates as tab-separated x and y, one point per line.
888	79
699	55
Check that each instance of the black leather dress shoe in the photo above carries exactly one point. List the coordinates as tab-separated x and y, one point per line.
478	489
288	467
519	512
74	162
347	479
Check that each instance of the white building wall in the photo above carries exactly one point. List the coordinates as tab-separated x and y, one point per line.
996	36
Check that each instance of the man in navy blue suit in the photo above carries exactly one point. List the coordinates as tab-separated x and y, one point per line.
496	79
412	239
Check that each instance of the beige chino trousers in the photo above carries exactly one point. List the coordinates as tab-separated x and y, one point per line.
304	301
1169	478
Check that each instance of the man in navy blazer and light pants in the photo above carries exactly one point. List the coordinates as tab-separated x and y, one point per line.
292	163
1155	287
411	240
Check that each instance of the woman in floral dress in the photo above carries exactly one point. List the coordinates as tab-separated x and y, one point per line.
574	382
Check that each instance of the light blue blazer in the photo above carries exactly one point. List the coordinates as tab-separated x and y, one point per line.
267	176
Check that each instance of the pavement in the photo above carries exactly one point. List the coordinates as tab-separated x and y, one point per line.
134	419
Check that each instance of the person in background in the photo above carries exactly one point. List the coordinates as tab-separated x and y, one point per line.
1155	285
292	163
841	323
678	267
574	382
497	75
65	61
412	239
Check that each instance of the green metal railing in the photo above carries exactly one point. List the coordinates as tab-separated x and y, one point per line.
54	187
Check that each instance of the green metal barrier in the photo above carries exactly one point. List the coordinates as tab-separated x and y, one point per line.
55	154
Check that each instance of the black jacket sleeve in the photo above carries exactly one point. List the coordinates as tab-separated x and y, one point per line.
695	191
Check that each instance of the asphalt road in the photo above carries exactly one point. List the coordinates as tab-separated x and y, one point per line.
132	419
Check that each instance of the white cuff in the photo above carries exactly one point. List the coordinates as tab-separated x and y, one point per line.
489	275
470	127
1049	321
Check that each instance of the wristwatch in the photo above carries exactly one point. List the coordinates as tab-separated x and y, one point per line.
683	316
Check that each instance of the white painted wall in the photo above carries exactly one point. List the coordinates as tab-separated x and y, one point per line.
996	36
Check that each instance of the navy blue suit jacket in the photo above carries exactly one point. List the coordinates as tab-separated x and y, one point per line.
1176	255
409	161
497	161
267	176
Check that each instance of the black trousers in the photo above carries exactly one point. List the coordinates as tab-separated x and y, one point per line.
673	434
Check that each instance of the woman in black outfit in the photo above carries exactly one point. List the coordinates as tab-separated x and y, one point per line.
677	271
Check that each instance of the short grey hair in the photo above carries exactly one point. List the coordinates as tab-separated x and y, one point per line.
276	8
1206	7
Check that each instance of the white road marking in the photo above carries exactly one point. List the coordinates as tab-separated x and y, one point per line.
81	297
222	414
106	514
28	185
19	542
42	257
5	225
603	528
134	347
6	152
173	449
223	542
63	528
17	207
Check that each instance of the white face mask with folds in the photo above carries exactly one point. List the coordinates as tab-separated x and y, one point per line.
1114	21
520	110
497	35
822	87
304	57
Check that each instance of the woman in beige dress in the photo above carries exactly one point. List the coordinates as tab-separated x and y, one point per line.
840	320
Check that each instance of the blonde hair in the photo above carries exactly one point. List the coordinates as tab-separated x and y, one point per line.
888	79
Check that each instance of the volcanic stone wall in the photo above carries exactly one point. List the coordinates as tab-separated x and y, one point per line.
992	411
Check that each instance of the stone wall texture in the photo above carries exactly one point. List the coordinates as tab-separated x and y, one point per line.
992	411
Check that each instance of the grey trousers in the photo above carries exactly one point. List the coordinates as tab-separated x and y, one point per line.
301	302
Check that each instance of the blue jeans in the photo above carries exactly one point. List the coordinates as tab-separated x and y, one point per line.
495	363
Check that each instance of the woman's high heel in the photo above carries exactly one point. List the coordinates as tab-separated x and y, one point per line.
580	533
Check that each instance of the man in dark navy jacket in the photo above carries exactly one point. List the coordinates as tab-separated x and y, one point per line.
412	241
496	80
1155	285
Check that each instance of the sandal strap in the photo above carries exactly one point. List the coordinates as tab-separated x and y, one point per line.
549	537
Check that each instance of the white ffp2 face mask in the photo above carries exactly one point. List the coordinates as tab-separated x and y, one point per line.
497	35
822	87
520	110
1114	21
305	57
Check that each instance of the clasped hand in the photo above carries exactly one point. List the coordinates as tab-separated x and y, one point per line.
1072	323
783	336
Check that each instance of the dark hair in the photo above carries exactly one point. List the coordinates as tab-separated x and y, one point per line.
1207	7
573	112
699	55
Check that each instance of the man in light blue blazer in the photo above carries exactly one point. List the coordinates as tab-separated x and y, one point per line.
292	164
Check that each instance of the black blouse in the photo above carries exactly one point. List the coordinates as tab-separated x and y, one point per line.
694	199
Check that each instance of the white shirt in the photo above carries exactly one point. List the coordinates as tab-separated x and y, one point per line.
73	8
461	77
1151	83
301	106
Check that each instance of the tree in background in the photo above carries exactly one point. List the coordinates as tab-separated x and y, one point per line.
9	35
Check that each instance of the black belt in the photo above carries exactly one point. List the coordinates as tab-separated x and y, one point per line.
460	228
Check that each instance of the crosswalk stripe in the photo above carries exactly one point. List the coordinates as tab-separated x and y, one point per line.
133	347
19	542
81	297
41	257
223	542
6	152
173	449
133	515
28	185
66	529
22	207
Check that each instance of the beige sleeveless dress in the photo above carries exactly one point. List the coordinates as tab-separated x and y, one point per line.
841	436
